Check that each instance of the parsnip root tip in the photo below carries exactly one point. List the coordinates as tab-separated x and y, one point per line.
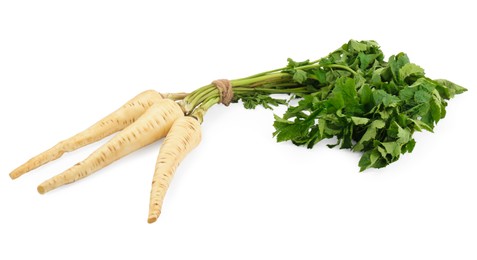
13	175
41	189
152	219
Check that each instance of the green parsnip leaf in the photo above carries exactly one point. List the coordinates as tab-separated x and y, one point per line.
369	105
300	76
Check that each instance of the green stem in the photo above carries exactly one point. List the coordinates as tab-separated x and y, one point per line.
201	109
243	90
198	91
310	65
249	81
189	102
268	82
336	66
202	96
341	67
281	85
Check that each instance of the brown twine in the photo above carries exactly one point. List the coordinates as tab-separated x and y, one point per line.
225	90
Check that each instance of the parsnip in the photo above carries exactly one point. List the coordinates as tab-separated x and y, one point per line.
116	121
185	135
150	127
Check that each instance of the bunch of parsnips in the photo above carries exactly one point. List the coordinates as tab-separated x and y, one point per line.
370	105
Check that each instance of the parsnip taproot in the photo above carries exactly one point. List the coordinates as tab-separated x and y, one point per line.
116	121
148	128
184	135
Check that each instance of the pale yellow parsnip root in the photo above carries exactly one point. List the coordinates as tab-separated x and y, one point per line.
148	128
185	135
116	121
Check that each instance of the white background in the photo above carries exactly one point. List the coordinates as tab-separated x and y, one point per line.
239	195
